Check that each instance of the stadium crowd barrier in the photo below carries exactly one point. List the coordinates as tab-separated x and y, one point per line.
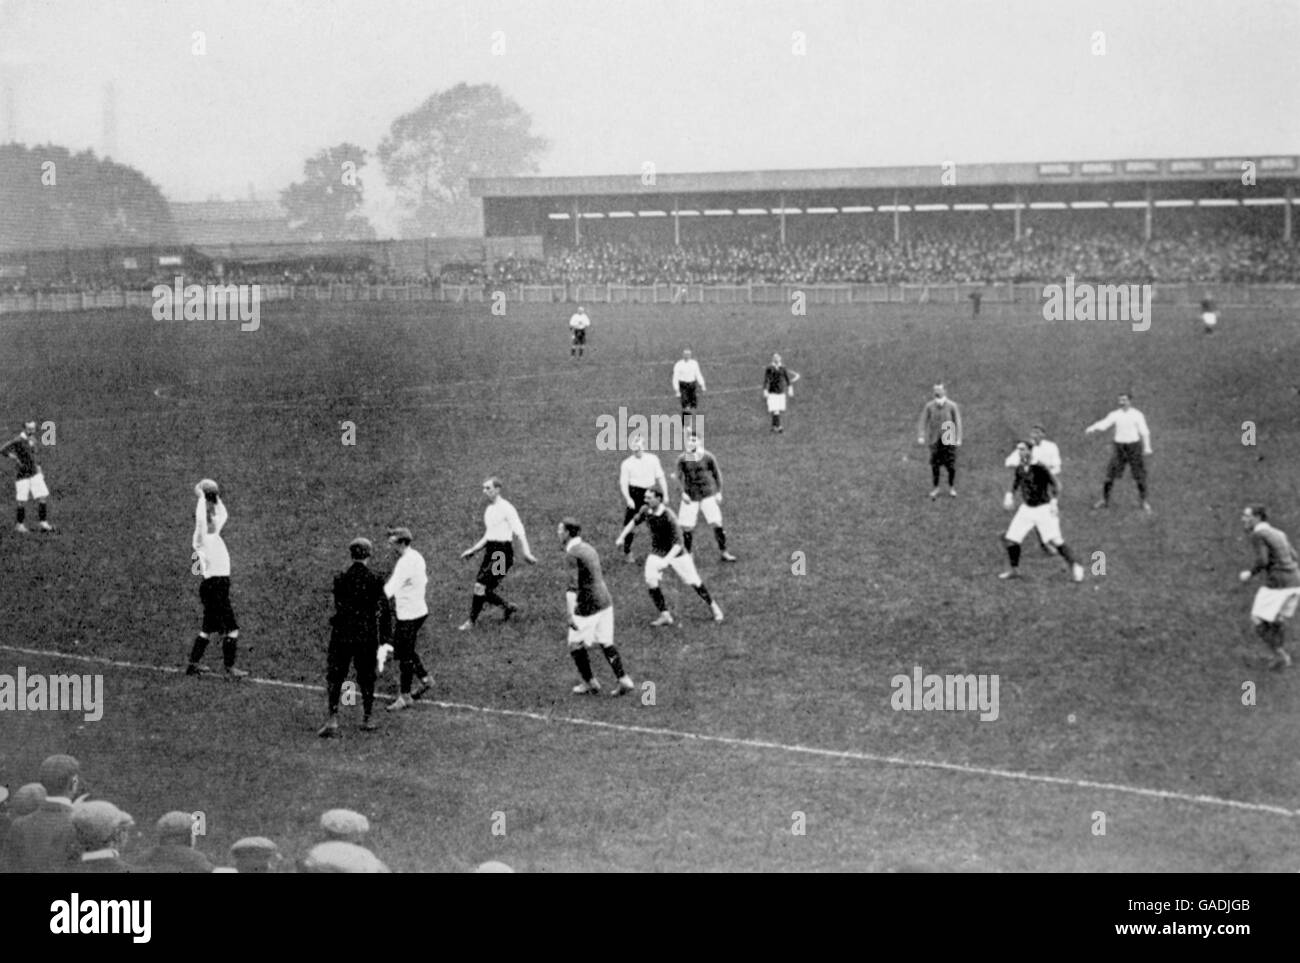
1176	294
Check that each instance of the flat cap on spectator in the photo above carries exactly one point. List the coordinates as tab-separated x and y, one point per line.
361	548
56	771
340	857
98	821
345	825
176	823
492	866
254	853
400	535
27	799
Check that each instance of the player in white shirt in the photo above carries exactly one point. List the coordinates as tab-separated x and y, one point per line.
688	382
578	325
406	587
639	472
501	527
212	561
1132	441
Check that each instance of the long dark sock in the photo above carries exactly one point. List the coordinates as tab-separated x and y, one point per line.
475	608
583	662
1105	491
229	650
1013	553
40	510
335	692
197	650
703	592
22	513
367	700
952	477
1142	493
686	541
721	536
657	595
934	473
615	661
1066	553
776	420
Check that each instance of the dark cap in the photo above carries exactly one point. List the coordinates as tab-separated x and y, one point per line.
361	548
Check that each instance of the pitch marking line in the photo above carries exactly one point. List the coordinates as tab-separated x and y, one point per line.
849	754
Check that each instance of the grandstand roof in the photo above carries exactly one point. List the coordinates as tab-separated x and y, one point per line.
1272	167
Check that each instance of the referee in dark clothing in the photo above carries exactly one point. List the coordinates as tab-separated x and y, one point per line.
359	626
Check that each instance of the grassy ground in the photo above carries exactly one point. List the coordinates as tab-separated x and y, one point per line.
1148	658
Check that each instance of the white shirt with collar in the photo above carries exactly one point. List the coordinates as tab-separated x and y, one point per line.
501	521
407	584
685	372
1129	425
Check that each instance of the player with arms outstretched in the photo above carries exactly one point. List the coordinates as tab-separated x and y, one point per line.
666	551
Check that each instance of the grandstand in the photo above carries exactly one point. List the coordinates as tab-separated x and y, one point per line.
1195	220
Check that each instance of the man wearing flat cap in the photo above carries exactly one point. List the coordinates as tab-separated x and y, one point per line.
175	852
102	833
359	626
406	587
24	801
255	854
44	841
344	826
339	857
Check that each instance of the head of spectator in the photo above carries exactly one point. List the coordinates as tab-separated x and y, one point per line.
340	857
27	799
61	777
101	826
255	854
344	825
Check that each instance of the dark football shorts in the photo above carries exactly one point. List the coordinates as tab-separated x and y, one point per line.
218	615
497	559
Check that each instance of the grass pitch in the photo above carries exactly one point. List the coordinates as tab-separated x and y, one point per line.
1148	659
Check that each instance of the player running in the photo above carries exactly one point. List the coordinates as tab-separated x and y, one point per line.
666	551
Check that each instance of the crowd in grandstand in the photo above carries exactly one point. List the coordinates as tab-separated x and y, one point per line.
827	251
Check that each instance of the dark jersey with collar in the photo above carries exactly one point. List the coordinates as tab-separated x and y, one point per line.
699	474
776	379
664	530
1207	305
586	580
1035	484
23	448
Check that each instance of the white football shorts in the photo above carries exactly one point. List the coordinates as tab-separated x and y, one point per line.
681	563
688	512
1045	518
775	403
593	630
33	487
1274	605
1209	318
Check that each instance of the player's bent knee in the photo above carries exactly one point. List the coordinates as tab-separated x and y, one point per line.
480	588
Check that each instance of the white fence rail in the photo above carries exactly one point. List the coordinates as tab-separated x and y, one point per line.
1230	295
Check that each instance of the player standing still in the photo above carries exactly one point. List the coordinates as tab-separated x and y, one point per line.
578	325
31	480
210	517
940	425
591	611
1208	316
701	480
1276	600
778	384
1132	441
688	382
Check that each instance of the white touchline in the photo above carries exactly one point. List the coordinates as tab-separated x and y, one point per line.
852	754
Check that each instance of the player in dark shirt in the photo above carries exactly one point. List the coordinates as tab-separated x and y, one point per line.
591	611
778	384
667	550
31	481
1038	510
1208	316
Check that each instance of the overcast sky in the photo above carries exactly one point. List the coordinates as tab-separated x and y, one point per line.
688	84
